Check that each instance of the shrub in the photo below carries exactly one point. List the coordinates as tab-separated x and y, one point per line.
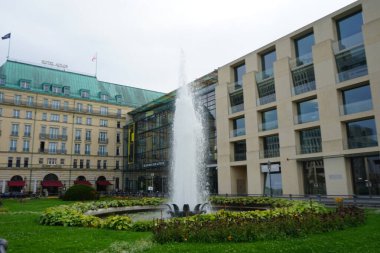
117	222
80	192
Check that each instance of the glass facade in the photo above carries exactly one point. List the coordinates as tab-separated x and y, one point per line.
271	146
273	184
269	120
314	177
310	141
303	47
264	79
238	127
307	111
357	100
361	134
240	151
366	175
239	71
348	28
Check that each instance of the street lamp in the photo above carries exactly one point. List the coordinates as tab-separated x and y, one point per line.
270	178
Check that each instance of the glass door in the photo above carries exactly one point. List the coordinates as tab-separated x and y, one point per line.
314	177
366	175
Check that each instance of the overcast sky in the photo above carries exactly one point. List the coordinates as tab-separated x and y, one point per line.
139	41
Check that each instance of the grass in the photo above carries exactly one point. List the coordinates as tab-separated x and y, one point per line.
20	227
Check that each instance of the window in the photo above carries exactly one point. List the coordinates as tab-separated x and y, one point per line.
79	120
118	114
303	47
350	29
30	101
26	162
10	162
62	161
102	136
87	149
310	141
64	119
53	147
238	127
81	163
104	97
2	80
89	108
117	151
18	162
117	166
16	113
240	151
1	112
53	133
63	147
64	132
88	135
267	61
102	150
103	110
44	116
15	128
17	99
54	117
56	89
88	164
27	130
357	100
78	133
85	94
99	162
46	87
77	148
89	121
103	123
307	111
105	164
269	120
361	133
25	146
55	104
271	146
79	107
239	71
52	161
43	129
40	160
29	115
45	103
65	105
66	91
117	137
13	145
75	163
118	124
24	84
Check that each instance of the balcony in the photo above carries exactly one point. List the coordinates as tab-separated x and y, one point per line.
236	108
12	149
306	117
309	148
237	132
361	142
78	138
236	157
350	58
102	153
27	134
264	75
266	99
25	150
235	87
14	133
360	106
270	125
52	151
45	136
103	140
87	152
303	74
269	153
88	138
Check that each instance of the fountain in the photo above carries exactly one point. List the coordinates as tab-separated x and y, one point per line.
189	144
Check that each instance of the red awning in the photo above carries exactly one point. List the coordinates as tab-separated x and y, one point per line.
103	182
51	184
16	183
84	182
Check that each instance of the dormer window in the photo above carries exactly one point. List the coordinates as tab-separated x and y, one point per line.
103	96
56	89
66	91
118	99
85	93
2	80
24	84
46	87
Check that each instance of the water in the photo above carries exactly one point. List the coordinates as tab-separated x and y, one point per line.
189	149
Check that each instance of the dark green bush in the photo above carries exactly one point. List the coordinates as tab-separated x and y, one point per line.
80	192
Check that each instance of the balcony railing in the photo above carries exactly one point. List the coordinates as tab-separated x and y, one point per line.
27	134
301	61
360	106
237	132
306	117
236	157
361	142
266	99
12	149
264	75
52	151
14	133
269	153
53	136
236	108
268	125
308	149
103	140
235	87
350	57
102	153
303	79
78	138
25	150
88	138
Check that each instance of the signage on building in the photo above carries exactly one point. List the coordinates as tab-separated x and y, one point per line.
273	168
154	165
58	65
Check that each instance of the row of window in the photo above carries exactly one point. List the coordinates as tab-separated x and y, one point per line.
54	161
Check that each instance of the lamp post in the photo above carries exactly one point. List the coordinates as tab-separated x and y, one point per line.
270	178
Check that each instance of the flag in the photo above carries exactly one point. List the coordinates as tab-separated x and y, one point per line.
6	36
94	58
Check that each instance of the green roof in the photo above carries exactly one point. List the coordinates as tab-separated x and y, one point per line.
15	71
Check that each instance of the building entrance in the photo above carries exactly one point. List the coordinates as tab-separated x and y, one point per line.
366	175
314	177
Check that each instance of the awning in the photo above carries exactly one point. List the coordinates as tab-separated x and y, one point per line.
84	182
51	184
103	182
16	183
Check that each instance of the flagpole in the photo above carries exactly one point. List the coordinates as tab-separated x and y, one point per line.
9	47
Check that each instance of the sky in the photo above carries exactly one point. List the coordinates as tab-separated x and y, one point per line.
139	42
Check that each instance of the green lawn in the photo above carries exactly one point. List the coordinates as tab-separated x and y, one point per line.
20	227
